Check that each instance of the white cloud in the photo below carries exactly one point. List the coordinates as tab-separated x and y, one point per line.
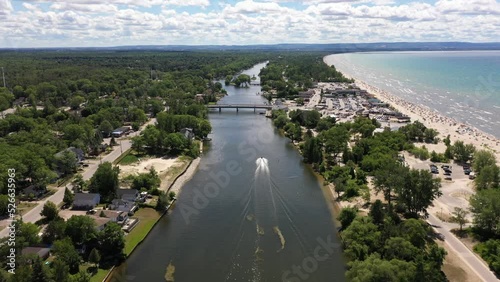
5	7
105	23
469	6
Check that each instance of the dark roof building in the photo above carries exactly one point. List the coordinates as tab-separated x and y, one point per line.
121	205
41	252
120	131
187	132
127	194
86	201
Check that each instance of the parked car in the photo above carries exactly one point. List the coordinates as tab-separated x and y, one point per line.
472	175
467	171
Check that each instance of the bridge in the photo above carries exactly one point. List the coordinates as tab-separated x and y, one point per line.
241	106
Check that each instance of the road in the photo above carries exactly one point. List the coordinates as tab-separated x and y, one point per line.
481	269
34	214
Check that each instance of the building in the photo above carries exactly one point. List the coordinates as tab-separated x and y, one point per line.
80	155
100	222
33	192
306	94
119	132
86	201
43	253
115	216
124	206
130	195
188	133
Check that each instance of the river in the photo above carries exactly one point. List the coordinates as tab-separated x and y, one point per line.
252	212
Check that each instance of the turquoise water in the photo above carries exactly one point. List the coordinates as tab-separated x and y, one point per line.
464	85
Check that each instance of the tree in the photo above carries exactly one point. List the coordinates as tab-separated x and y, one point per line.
388	178
312	150
29	233
420	188
50	211
78	183
376	269
112	243
361	238
489	177
60	270
68	197
4	204
66	162
293	131
149	181
460	217
41	272
94	257
81	276
400	248
105	181
335	141
162	202
346	216
66	252
171	196
55	231
106	128
281	121
80	229
490	252
377	212
485	207
483	158
462	153
415	231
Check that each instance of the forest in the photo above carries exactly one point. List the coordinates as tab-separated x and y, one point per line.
59	103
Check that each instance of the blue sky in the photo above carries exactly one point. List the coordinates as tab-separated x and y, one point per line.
75	23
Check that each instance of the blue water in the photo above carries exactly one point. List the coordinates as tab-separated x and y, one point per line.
464	85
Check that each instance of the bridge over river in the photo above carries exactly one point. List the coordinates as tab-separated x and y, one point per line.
241	106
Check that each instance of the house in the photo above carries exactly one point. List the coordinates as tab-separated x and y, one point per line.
80	155
33	192
43	253
100	222
19	102
124	206
119	132
115	216
86	201
199	97
130	195
187	132
306	94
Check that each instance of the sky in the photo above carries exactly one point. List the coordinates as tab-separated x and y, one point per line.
95	23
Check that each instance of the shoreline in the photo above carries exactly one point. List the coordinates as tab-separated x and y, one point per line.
432	119
176	187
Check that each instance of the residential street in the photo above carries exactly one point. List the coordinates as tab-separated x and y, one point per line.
34	214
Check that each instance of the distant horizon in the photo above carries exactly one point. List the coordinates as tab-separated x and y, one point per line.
348	46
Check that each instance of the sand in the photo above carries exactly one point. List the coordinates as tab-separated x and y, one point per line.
179	183
161	165
432	119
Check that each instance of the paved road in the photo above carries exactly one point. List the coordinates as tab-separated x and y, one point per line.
462	251
34	214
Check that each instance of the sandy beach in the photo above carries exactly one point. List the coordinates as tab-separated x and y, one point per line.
432	119
163	167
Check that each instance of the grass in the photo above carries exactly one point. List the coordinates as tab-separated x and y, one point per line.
147	218
24	207
129	159
99	276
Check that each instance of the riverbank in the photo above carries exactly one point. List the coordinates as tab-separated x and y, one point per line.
179	181
432	119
